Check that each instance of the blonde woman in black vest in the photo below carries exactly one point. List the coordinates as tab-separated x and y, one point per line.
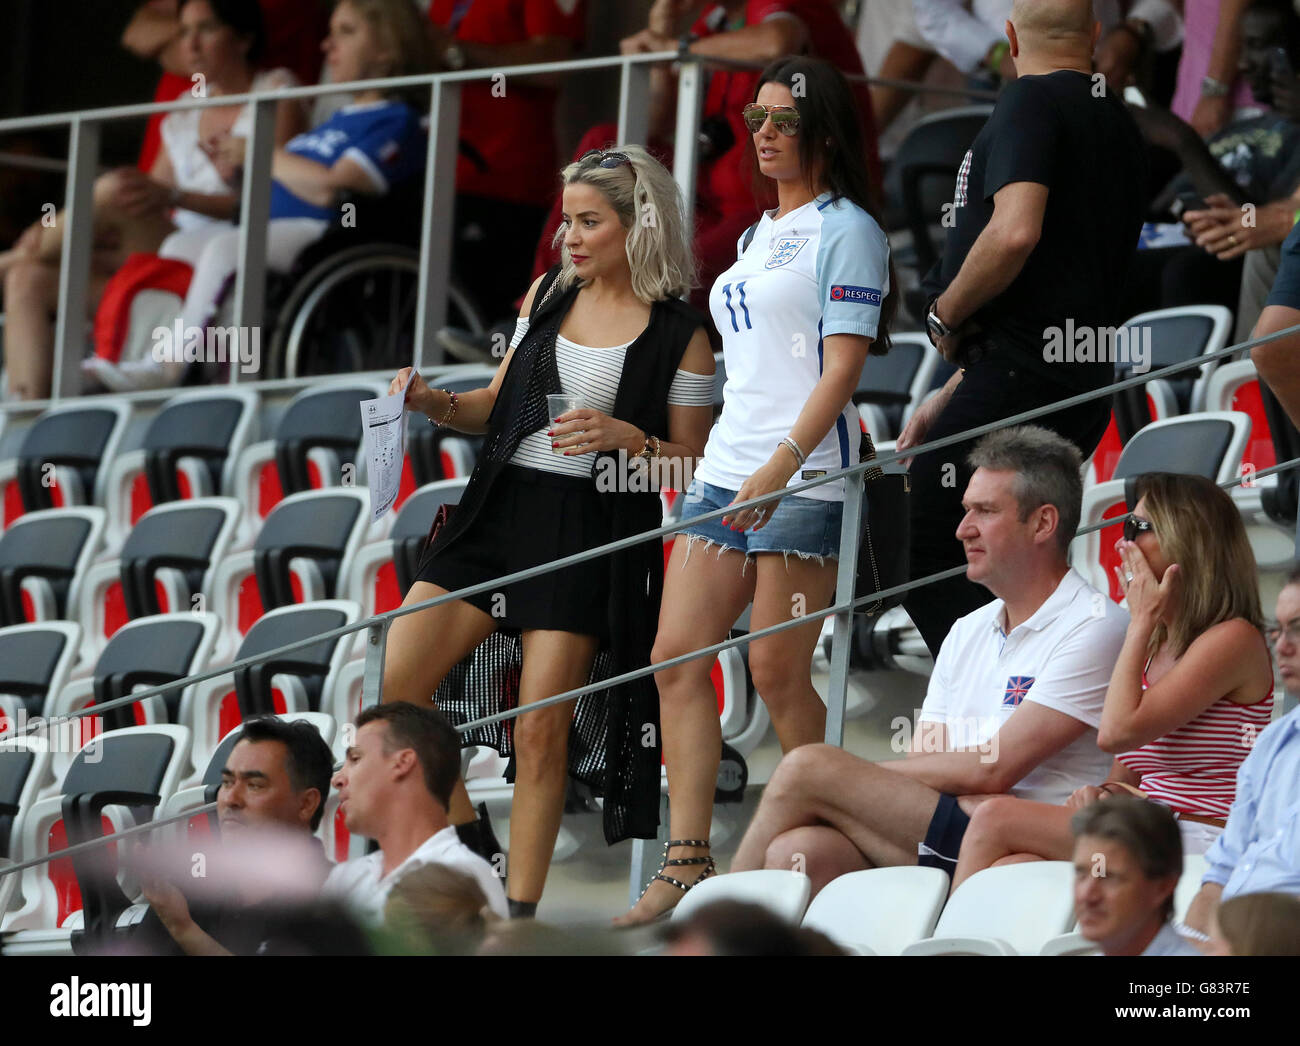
605	325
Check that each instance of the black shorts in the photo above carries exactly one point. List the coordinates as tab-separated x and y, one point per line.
943	837
530	518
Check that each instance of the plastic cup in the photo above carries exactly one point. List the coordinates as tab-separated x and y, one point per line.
559	404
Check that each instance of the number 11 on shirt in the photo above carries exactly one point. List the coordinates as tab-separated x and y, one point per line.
740	293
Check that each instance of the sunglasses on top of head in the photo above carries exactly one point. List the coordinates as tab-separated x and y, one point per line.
1135	525
785	118
608	160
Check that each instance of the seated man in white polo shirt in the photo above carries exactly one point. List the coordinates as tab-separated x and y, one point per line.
394	788
1013	704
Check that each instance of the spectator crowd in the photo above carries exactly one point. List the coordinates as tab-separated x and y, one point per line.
1138	156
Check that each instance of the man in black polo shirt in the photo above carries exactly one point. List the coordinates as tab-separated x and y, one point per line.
1048	207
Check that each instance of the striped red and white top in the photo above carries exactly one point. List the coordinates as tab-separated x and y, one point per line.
1193	769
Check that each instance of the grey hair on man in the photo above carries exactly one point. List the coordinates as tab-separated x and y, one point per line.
1047	468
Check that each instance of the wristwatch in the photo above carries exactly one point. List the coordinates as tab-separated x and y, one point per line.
935	327
650	450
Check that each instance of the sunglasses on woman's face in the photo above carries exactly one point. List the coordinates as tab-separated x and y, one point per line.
608	160
1135	525
785	118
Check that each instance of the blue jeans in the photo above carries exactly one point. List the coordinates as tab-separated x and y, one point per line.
808	527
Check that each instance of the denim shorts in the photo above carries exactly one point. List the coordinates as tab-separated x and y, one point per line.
808	527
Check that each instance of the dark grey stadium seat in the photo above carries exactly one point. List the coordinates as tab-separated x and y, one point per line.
80	439
52	549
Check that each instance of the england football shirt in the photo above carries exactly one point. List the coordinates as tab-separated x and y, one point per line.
384	138
821	269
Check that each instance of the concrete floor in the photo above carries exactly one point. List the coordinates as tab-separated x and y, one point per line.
590	886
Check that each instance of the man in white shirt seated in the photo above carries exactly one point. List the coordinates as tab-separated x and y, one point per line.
1128	858
1013	704
394	788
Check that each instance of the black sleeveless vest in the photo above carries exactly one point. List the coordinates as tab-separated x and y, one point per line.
607	749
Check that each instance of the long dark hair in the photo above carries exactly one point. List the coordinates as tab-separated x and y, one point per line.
830	135
244	17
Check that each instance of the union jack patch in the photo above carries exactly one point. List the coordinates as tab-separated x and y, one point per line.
1017	688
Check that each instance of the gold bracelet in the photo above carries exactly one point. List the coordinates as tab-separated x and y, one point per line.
451	411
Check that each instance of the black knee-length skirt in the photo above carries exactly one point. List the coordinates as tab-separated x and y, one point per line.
530	518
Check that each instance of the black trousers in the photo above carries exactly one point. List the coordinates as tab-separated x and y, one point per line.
992	389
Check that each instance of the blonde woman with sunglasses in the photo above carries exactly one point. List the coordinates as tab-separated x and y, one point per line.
1191	689
607	327
808	297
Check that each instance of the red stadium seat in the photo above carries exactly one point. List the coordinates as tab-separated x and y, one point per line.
303	681
1206	443
383	570
45	563
59	461
318	434
188	450
142	760
304	552
167	564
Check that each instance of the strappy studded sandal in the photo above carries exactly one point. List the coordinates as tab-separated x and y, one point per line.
674	862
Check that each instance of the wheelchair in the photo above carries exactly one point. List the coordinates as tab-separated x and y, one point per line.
349	303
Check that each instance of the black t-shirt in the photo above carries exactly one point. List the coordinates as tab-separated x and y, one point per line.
1063	131
1262	153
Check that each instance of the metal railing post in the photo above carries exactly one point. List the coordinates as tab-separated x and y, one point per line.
78	243
372	682
842	636
634	105
436	222
686	148
254	213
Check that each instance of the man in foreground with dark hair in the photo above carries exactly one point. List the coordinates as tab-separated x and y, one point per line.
275	780
1128	858
394	788
1014	701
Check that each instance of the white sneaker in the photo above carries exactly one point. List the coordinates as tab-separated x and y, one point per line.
133	376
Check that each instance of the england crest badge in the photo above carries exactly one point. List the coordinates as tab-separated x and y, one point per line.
785	251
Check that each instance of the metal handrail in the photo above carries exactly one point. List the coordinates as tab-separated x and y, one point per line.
378	621
116	837
573	65
844	605
387	83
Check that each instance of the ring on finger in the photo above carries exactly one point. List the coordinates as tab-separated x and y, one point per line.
1128	579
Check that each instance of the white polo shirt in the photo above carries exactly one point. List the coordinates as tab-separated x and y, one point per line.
362	886
1061	657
